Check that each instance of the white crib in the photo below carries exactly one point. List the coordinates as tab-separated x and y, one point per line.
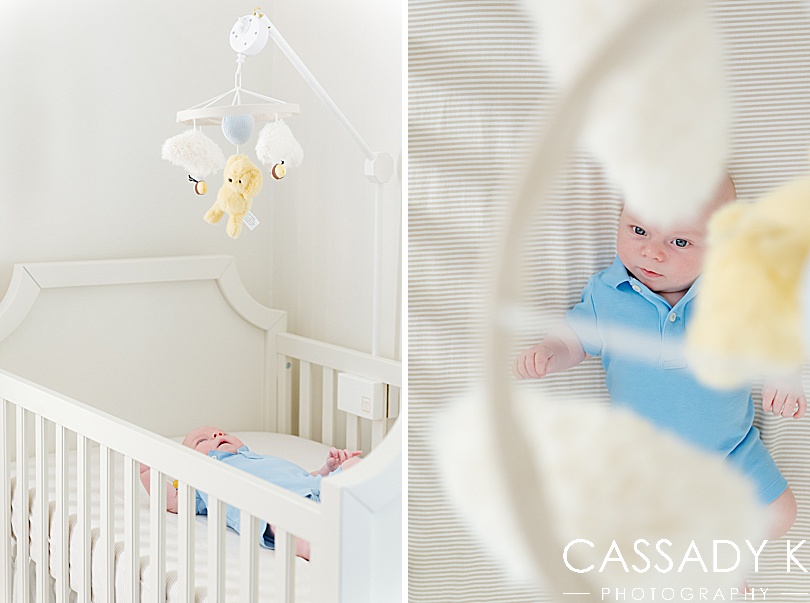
172	343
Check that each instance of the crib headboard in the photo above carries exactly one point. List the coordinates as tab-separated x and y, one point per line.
145	340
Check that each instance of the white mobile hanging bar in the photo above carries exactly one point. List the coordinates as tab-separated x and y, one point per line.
379	167
205	114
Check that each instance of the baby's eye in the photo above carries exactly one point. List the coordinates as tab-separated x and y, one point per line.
681	242
639	230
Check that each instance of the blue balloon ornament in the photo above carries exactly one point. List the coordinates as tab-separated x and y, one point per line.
237	128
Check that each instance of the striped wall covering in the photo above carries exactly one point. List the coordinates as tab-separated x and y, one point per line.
476	95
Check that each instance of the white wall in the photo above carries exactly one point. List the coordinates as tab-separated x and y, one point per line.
88	97
324	210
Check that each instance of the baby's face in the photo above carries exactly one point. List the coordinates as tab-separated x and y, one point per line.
666	259
206	438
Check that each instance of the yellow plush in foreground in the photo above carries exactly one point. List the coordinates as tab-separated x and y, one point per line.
242	182
747	320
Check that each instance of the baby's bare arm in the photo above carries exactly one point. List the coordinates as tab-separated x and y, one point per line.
171	492
559	351
335	459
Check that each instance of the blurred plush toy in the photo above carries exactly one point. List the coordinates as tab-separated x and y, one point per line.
649	114
278	148
748	318
197	154
242	182
597	486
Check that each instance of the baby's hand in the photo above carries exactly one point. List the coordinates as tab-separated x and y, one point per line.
534	363
784	398
337	457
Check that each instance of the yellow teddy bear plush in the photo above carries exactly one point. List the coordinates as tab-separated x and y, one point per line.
242	182
747	320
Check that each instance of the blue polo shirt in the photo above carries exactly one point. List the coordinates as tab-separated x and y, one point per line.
640	339
273	469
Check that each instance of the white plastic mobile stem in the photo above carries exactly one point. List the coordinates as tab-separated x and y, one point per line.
528	498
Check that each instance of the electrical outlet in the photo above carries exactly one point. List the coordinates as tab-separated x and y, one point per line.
362	397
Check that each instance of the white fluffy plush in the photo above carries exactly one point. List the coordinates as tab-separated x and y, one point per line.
194	152
277	144
609	476
659	122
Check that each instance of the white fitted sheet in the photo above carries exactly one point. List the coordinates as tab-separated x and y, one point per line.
306	453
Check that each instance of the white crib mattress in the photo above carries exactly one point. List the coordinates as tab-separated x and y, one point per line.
306	453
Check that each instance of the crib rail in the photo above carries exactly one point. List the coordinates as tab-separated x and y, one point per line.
313	395
54	416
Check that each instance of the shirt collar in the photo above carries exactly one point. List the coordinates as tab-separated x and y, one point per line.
616	274
223	454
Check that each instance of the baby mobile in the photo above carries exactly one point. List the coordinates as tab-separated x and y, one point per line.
276	146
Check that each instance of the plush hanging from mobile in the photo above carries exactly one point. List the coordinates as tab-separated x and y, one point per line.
197	154
277	147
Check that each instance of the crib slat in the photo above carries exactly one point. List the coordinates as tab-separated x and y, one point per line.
248	541
157	535
284	395
328	407
269	389
186	510
352	432
305	399
285	565
83	527
6	578
216	550
41	510
132	533
23	549
378	431
61	520
106	545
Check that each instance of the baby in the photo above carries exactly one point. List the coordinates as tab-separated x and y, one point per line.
229	449
646	293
